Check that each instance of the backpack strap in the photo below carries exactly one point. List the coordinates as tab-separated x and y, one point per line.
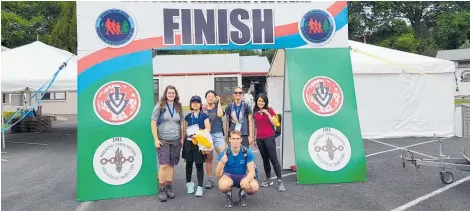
160	117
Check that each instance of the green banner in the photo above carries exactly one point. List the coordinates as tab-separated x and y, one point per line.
115	151
327	136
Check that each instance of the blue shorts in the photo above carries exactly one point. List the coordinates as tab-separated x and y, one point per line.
218	139
235	178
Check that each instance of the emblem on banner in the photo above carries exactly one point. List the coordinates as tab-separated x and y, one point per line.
323	96
115	28
317	27
117	161
329	149
465	76
116	102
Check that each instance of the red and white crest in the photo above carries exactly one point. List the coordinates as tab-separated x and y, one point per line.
116	102
323	96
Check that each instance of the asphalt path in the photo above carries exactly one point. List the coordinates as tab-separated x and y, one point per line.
39	173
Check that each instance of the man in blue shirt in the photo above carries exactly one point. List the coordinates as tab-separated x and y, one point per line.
236	168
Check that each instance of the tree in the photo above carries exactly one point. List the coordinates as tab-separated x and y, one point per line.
23	22
64	34
326	26
452	29
406	42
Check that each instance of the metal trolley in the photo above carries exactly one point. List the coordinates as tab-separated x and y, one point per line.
443	161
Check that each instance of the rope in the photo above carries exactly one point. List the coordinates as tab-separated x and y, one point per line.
398	65
42	95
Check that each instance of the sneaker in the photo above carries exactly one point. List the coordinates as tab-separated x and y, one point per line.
228	200
190	187
169	191
266	183
210	184
162	194
199	191
242	196
280	186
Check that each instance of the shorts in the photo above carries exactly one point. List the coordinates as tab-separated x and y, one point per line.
169	154
236	178
218	139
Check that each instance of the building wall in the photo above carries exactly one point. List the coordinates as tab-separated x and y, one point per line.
189	85
49	107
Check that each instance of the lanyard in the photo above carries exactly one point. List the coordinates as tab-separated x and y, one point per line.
195	120
237	111
172	112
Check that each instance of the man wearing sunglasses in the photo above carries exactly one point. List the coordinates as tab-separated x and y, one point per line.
239	117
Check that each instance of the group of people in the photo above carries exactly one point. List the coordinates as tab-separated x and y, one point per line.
235	161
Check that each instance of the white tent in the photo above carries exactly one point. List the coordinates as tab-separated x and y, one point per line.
32	65
392	102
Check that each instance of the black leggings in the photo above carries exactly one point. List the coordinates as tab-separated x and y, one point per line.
267	149
199	170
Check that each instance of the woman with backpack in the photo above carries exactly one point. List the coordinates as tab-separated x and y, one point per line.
168	134
265	120
215	112
238	117
191	152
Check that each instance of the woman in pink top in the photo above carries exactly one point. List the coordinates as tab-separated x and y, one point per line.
265	119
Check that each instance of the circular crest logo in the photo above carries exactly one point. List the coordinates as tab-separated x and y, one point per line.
116	102
465	76
329	149
323	96
115	28
117	161
317	27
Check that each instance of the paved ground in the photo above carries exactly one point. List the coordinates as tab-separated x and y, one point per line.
42	177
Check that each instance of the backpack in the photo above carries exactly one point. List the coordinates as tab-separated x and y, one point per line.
277	128
244	150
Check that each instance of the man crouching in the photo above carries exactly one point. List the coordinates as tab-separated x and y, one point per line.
236	168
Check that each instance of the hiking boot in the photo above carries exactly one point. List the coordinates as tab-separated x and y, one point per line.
169	191
280	186
190	187
162	194
199	191
242	196
210	184
266	183
228	199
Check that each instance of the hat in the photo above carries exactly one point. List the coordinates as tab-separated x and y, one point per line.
195	98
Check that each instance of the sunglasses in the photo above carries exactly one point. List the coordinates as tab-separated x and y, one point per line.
238	93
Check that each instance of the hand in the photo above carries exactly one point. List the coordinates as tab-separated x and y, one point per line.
218	99
244	183
158	143
182	141
250	140
224	159
264	111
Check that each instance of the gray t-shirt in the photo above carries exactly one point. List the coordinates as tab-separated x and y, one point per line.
244	110
169	129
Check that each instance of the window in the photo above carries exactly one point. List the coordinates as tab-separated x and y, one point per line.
54	96
5	98
225	85
463	64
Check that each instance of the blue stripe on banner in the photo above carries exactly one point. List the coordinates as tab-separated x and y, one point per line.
341	19
290	41
109	67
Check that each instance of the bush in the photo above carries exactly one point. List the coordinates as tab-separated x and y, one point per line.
8	114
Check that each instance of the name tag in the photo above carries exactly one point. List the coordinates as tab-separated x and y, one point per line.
192	130
238	126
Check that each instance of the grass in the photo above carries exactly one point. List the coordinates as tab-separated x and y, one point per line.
461	101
